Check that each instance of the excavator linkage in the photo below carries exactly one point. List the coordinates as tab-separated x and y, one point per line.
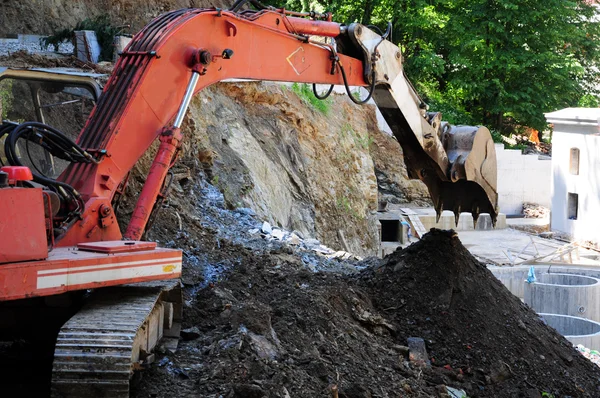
457	163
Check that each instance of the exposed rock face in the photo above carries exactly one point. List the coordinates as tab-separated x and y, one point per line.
46	16
394	184
266	148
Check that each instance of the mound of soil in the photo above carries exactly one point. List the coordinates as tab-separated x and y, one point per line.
271	328
472	324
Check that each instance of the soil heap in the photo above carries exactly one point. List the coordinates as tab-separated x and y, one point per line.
271	328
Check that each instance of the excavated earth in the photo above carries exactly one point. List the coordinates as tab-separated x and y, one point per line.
269	327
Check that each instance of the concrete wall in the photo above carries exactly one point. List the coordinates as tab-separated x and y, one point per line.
586	184
514	277
522	178
576	330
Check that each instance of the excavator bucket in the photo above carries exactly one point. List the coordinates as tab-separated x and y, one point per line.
466	182
457	163
472	174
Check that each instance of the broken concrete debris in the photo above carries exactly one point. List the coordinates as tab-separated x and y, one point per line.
266	228
592	355
190	333
417	353
269	232
455	392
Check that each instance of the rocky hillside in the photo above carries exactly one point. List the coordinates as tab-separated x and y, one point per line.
306	169
46	16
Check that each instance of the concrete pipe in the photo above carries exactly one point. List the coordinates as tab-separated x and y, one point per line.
564	294
576	330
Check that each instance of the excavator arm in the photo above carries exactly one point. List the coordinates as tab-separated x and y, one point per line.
182	52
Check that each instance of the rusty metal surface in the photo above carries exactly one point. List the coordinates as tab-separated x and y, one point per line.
97	349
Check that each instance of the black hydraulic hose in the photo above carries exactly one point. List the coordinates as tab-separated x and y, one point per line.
327	94
348	91
240	3
237	5
258	4
51	139
10	151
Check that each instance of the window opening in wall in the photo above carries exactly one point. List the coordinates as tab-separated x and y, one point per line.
390	230
574	161
573	206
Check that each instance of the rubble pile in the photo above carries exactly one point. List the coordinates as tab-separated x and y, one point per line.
296	239
534	210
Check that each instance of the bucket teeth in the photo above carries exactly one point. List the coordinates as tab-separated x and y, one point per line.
456	215
438	211
475	213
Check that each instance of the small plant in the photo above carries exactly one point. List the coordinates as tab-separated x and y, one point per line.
497	137
305	92
344	205
363	142
360	141
215	181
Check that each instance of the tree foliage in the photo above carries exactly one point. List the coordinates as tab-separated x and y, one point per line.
502	63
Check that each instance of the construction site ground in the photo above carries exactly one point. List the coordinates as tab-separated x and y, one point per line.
512	246
269	319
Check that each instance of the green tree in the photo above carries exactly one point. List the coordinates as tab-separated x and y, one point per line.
517	59
502	63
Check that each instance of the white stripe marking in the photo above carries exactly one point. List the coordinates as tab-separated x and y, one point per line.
108	265
44	282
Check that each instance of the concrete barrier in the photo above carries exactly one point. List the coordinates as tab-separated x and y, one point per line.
565	294
576	330
465	222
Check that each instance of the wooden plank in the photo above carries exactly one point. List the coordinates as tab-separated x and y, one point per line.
407	211
418	226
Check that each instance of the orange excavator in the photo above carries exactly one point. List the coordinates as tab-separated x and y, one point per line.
59	230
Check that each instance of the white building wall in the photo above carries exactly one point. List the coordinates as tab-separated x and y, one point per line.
522	178
586	184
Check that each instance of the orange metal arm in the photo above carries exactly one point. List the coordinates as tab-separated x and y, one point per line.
149	81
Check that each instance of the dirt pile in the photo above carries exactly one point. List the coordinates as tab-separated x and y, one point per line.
271	328
473	325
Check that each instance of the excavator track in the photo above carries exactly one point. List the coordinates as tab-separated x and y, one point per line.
99	348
